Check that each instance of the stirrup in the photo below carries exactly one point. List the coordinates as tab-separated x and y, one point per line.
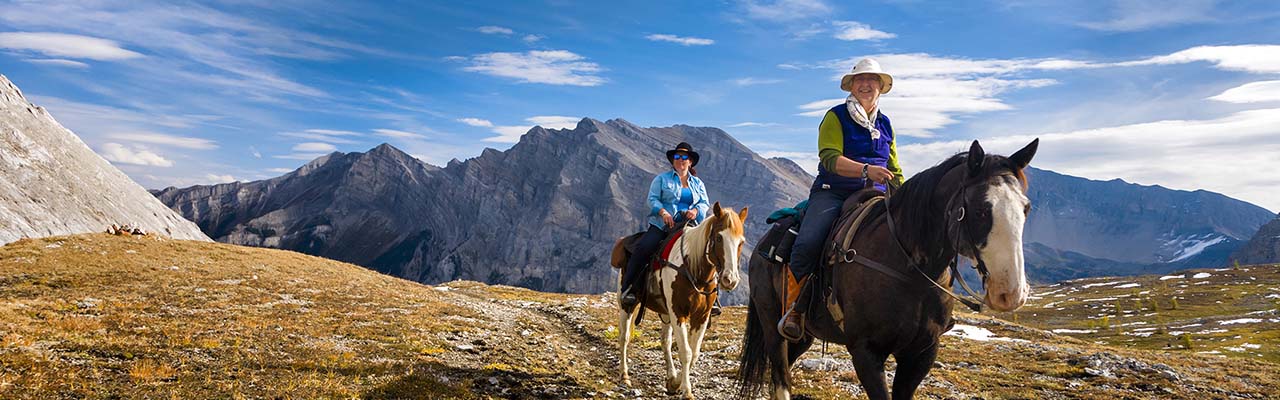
782	324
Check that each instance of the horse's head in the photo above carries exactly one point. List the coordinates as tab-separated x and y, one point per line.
985	220
725	243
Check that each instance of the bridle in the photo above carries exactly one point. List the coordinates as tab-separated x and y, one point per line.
713	284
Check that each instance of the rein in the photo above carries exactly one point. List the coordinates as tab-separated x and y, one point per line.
973	302
683	270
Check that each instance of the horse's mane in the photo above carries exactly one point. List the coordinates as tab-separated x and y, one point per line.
696	238
915	198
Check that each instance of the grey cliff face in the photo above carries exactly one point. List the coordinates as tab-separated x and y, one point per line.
51	183
541	215
1263	248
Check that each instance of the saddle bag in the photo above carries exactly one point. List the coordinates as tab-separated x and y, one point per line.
776	244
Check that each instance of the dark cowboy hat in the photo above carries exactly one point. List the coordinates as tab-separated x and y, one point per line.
684	147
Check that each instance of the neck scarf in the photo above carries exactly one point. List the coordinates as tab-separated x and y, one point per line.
860	116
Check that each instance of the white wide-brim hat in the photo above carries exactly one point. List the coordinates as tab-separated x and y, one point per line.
867	66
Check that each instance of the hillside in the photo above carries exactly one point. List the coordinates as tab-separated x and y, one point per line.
52	183
1226	312
98	316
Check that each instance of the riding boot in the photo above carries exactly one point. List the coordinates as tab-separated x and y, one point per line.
715	307
791	327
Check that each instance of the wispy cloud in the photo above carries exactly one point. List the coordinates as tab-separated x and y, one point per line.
66	45
681	40
119	153
531	38
325	135
1149	153
484	123
253	151
495	30
750	124
1253	58
215	178
398	134
58	62
749	81
164	139
1253	92
314	147
853	30
512	133
1138	15
553	67
784	10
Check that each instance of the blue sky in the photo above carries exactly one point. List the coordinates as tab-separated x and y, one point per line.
1180	94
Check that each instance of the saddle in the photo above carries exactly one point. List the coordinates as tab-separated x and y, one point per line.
625	247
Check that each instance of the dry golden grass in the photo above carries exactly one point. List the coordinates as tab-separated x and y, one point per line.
99	316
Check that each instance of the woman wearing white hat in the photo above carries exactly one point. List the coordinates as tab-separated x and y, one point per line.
855	144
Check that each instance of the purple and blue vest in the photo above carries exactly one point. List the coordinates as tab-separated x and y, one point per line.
858	146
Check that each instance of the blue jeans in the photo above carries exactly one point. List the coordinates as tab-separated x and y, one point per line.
824	209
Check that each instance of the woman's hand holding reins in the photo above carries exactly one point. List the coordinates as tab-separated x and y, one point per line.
879	174
667	219
690	214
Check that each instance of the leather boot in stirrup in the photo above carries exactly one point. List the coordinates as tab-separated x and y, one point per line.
791	327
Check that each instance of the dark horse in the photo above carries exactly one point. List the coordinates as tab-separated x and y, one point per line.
973	205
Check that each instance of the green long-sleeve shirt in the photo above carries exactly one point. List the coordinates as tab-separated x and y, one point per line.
831	147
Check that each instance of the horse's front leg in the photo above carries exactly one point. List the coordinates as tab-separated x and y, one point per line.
696	336
626	321
912	368
672	384
870	368
686	357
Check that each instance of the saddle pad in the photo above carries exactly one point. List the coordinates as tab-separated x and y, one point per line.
666	249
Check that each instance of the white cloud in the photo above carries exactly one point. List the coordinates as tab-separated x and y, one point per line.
1138	15
167	140
1170	153
314	147
1252	92
324	135
853	30
300	156
253	151
58	62
750	81
784	10
1253	58
512	133
118	153
483	123
280	170
398	134
553	67
216	179
66	45
532	38
752	124
495	30
681	40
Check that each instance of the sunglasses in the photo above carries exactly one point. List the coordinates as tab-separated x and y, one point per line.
680	157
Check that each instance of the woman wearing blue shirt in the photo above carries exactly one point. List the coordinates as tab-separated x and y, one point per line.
675	196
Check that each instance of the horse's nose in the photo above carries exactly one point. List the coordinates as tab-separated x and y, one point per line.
1005	301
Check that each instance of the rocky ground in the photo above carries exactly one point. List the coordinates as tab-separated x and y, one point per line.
98	316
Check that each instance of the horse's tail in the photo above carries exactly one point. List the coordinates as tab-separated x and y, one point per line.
754	361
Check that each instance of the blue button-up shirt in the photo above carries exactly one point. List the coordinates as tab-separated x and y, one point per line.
664	194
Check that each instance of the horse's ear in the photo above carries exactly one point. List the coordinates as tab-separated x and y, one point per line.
1023	157
742	215
976	156
716	210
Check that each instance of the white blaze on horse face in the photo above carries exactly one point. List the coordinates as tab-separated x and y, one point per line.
1007	281
729	276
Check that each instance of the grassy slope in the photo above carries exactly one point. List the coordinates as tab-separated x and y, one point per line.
1231	312
104	316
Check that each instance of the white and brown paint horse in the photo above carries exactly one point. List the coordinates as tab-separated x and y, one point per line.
702	261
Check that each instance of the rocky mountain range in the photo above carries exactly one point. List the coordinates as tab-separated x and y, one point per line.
541	215
51	183
1080	227
1264	247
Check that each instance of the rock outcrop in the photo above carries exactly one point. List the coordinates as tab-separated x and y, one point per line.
1263	248
51	183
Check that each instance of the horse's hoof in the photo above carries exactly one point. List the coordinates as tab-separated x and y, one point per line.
673	386
626	382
